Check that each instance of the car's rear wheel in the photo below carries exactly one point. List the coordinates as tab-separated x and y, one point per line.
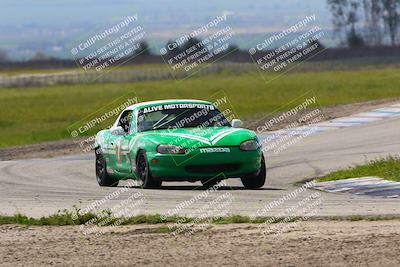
144	172
102	177
258	180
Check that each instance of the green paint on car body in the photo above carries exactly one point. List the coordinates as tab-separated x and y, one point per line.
208	151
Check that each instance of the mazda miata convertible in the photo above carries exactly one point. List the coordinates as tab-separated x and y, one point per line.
178	140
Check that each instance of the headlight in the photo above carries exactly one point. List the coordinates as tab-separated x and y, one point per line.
170	149
249	145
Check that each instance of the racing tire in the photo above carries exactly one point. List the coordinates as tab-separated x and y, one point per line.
144	173
102	177
258	180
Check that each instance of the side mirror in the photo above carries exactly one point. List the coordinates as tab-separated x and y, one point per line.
117	130
236	123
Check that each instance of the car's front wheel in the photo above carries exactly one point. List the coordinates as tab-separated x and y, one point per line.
102	177
144	173
258	180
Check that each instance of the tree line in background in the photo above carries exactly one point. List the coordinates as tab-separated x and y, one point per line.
143	50
366	22
142	53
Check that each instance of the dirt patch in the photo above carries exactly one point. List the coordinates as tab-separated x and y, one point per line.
333	243
70	147
42	150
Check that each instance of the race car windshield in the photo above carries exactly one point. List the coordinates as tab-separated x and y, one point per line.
173	116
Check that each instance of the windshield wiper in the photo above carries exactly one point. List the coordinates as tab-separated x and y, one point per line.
162	124
155	124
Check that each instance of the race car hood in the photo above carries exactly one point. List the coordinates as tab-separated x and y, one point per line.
201	137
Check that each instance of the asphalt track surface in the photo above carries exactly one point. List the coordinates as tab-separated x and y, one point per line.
39	187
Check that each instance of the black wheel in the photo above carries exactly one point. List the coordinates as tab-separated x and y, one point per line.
101	171
210	182
144	173
258	180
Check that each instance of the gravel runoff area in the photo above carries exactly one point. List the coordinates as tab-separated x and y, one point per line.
308	243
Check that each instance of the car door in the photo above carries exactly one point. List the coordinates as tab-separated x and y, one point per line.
122	159
114	141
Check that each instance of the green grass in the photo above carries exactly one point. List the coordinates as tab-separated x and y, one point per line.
66	218
35	115
387	168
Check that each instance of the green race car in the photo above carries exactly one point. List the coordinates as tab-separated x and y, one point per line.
178	140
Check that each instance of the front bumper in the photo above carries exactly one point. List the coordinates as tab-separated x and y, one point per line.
194	165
